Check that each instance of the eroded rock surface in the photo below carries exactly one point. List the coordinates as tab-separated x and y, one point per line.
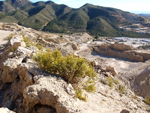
122	51
24	88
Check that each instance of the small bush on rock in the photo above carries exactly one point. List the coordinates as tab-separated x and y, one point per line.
110	82
79	94
12	49
116	81
90	88
28	41
90	85
39	46
147	100
70	67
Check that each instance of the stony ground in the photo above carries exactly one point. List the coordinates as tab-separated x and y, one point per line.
33	90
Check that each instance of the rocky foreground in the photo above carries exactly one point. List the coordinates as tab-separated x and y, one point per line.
25	88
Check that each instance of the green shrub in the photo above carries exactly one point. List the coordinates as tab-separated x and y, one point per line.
147	100
70	67
90	85
27	41
134	97
12	49
122	89
79	94
110	81
116	81
96	37
39	46
90	88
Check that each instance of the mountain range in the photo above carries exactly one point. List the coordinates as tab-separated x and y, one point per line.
144	14
52	17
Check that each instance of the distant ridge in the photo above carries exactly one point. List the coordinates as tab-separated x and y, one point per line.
96	20
145	15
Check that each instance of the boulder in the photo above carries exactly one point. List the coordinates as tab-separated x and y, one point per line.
112	70
26	75
5	110
70	89
22	51
9	70
75	46
17	41
50	92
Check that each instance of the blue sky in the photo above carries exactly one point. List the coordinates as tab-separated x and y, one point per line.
136	6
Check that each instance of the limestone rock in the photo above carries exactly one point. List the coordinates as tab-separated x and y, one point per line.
122	51
107	74
121	47
16	41
22	51
70	89
75	46
5	110
9	70
48	91
112	70
25	75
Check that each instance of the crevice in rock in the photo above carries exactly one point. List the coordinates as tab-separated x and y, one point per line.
38	108
32	76
25	59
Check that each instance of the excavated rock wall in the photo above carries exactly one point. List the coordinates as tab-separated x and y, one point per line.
122	51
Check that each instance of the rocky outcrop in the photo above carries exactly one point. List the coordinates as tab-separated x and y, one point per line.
46	92
112	70
49	44
17	41
75	46
122	51
25	88
5	110
121	47
35	89
8	74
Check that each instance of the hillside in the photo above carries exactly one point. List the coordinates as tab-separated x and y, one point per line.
52	17
52	73
145	15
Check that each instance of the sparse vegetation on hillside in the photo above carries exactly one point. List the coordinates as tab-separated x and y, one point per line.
70	67
110	82
147	100
79	94
27	41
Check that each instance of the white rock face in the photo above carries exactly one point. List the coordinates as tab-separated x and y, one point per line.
9	66
22	51
48	91
5	110
70	89
16	41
